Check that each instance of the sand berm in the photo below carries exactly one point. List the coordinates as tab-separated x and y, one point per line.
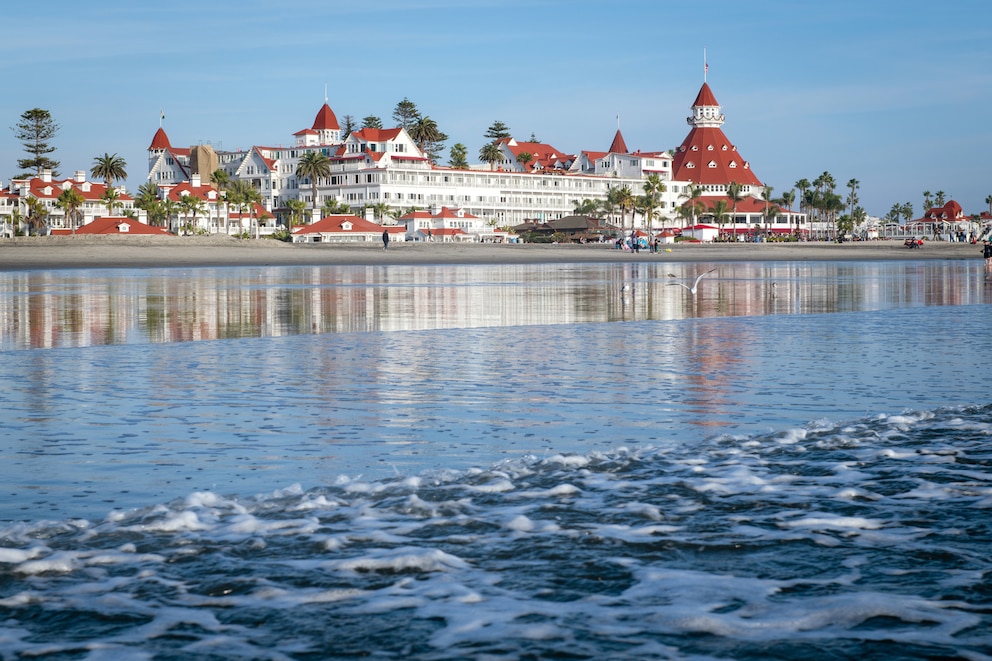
76	252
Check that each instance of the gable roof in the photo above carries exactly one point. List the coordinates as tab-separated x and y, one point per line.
334	224
113	225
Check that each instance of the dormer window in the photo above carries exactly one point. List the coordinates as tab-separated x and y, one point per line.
695	148
724	148
733	164
346	226
709	147
711	164
690	165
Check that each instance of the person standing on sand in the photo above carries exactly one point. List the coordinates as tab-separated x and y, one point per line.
987	253
385	239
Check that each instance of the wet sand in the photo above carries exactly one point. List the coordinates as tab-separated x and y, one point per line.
66	252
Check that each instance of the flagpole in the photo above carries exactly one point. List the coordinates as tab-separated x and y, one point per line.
705	67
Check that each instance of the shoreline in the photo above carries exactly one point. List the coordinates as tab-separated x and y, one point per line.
91	252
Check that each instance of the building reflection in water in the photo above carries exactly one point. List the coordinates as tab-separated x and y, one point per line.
43	309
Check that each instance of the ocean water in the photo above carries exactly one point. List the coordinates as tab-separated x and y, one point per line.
497	462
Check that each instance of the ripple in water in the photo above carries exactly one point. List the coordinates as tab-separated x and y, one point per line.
868	538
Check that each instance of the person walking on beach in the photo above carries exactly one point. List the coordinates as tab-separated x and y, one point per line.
987	253
385	239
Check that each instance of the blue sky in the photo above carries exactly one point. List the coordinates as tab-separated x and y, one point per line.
895	94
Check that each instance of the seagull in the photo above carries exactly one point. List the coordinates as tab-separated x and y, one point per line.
695	285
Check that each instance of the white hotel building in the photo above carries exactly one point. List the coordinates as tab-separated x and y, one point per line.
373	166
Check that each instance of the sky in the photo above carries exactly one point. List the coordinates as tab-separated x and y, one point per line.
897	95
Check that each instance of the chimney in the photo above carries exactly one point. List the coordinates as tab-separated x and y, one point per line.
194	180
46	176
79	176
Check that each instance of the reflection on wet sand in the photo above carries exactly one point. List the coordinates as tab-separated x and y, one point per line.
40	309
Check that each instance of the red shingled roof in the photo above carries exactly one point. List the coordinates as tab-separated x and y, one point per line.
707	157
618	146
325	119
160	140
113	225
705	97
335	224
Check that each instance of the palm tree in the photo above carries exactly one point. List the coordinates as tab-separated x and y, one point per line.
735	192
719	210
296	210
69	201
653	185
623	198
766	195
852	199
109	167
191	205
588	207
647	205
939	198
524	158
927	201
693	195
332	207
111	198
788	199
428	137
313	165
491	154
222	182
988	201
37	215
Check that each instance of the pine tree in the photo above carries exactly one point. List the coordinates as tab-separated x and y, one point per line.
497	130
35	131
371	122
406	113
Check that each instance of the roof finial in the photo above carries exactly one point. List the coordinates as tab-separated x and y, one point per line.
706	67
618	121
325	92
161	116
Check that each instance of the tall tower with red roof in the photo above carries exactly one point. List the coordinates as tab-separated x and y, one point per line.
706	157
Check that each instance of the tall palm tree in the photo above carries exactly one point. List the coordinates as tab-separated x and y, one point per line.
624	200
653	186
491	154
939	198
852	198
222	182
788	199
927	200
69	201
735	192
190	206
109	167
720	209
524	158
647	205
693	195
988	201
314	165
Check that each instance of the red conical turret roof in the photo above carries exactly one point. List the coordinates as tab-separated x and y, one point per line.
618	146
326	120
706	156
705	97
160	141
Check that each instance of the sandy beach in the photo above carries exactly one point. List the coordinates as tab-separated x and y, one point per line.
34	253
